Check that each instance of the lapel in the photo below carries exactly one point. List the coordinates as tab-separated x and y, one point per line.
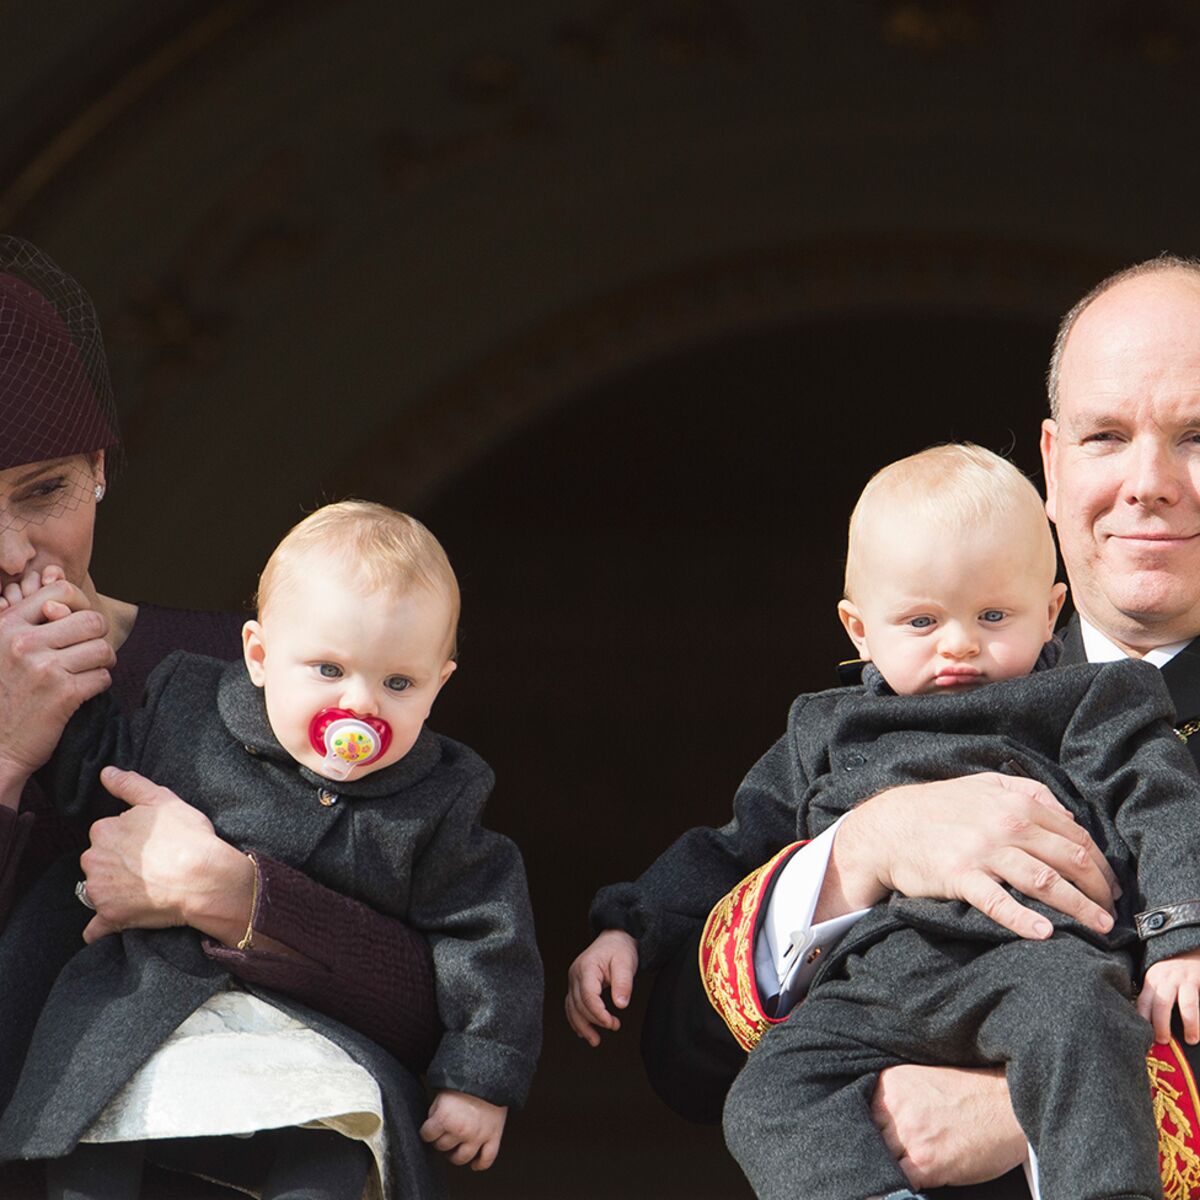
1181	675
1072	643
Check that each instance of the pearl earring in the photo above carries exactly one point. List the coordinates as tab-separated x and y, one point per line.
99	492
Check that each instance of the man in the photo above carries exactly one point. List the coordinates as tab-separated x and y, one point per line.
1121	452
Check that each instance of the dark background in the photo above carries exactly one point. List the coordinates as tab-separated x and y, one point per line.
626	300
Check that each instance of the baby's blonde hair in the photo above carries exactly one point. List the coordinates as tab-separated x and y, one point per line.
960	487
381	548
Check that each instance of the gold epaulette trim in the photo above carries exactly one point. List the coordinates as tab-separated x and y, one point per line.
1185	729
727	955
1177	1116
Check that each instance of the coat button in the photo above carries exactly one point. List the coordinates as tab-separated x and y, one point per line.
853	760
1156	920
326	797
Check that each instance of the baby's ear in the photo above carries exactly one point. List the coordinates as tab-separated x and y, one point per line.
852	623
254	651
1058	596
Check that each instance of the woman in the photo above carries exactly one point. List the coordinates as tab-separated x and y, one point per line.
159	863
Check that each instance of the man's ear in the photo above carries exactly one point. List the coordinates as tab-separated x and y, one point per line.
852	623
1049	445
254	651
1058	597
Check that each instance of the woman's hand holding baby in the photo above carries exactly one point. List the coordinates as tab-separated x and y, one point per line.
161	863
1171	982
610	961
465	1128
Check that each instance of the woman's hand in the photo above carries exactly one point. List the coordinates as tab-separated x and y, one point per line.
962	839
161	863
53	657
948	1126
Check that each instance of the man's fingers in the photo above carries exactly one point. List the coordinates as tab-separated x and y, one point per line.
882	1117
131	787
1036	878
1086	857
984	893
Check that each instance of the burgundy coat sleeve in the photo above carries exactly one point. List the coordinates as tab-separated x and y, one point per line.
372	972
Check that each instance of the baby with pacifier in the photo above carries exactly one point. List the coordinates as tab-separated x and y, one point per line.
315	752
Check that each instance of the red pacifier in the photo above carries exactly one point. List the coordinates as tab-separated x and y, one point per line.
347	740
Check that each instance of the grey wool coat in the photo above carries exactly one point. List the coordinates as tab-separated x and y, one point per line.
406	839
1098	735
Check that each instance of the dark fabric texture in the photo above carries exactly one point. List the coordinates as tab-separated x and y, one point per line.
798	1117
406	840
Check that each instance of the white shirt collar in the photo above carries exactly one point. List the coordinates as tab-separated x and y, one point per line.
1099	649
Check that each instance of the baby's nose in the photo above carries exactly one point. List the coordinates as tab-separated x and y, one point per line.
359	698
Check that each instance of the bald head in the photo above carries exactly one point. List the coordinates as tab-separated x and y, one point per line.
1165	268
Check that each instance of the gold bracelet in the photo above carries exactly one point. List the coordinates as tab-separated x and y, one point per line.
248	940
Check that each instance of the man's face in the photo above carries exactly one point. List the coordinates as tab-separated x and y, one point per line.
1122	461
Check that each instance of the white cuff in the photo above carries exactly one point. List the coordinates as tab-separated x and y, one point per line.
789	947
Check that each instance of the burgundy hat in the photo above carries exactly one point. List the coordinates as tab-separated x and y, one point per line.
55	395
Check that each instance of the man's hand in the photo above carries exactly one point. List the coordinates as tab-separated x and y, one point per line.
53	657
961	839
610	961
1169	982
948	1125
161	863
465	1128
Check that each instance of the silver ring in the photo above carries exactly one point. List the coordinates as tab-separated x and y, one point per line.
82	896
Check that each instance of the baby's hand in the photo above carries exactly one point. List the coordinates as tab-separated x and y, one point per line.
1169	982
31	582
466	1128
610	961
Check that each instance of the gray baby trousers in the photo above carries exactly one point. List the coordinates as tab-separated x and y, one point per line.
1056	1014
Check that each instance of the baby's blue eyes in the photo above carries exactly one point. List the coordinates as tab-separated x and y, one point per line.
990	615
393	683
